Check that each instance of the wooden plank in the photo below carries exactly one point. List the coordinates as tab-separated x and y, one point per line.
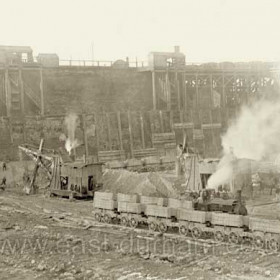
161	121
200	121
22	105
142	131
130	134
96	136
151	122
178	91
171	121
151	152
120	129
168	93
211	90
154	90
109	131
7	93
184	96
196	91
85	135
42	92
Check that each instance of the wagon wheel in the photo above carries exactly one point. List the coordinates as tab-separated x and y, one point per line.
124	221
196	232
233	238
97	217
162	227
153	226
183	229
133	222
219	236
107	219
273	244
258	242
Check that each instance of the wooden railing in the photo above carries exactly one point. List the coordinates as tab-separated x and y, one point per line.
92	63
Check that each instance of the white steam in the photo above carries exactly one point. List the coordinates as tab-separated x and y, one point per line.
71	122
254	135
223	173
256	132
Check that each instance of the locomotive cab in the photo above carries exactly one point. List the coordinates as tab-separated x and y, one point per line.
231	206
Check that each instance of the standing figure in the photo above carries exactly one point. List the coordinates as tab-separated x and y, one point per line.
3	183
4	166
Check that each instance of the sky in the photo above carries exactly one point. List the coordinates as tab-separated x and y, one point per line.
206	30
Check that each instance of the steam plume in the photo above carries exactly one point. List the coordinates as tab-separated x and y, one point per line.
254	135
71	143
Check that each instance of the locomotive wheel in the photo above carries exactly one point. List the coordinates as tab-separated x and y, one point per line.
133	223
153	226
162	227
97	217
183	230
273	244
233	238
219	236
124	221
258	242
196	232
107	219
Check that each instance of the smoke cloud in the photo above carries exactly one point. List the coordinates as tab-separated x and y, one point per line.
254	135
71	122
223	173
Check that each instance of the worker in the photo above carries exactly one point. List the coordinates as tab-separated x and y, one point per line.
4	166
3	183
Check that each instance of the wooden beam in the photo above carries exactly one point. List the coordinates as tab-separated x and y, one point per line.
22	104
161	122
130	134
223	92
212	133
109	131
200	121
184	95
24	130
11	130
196	91
154	90
211	90
42	92
177	91
142	131
96	135
85	135
168	90
171	121
120	130
8	93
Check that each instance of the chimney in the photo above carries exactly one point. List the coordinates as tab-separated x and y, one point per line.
177	49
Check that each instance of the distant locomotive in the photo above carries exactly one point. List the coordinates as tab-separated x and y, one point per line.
163	213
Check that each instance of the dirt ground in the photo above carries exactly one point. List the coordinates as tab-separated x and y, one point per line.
53	238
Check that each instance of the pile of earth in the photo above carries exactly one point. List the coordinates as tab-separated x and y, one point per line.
148	183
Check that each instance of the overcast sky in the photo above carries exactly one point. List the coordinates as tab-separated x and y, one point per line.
206	30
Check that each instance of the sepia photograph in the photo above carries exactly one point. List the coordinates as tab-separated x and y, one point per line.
140	140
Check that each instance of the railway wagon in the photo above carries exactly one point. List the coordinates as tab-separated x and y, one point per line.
162	214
